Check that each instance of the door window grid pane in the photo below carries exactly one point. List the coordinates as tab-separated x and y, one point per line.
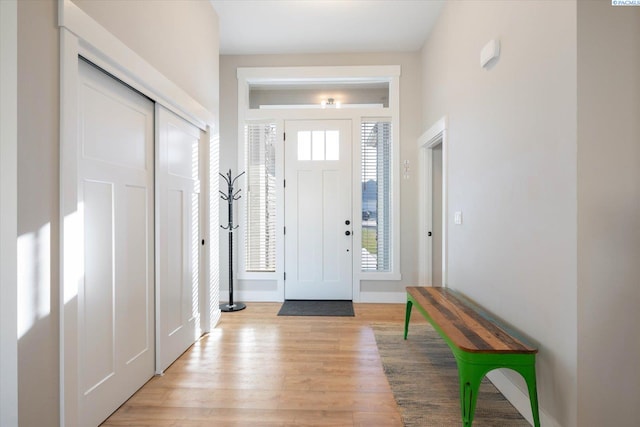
332	138
304	145
318	145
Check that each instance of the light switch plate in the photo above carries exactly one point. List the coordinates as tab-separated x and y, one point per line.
457	218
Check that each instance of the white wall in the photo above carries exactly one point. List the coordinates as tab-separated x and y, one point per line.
38	218
8	203
178	37
512	172
409	133
38	156
608	214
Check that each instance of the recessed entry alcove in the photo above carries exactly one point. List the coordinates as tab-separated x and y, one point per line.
309	137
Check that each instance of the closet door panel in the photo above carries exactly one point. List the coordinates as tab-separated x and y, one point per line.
178	216
116	340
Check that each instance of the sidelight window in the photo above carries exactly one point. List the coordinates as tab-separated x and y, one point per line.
260	226
376	196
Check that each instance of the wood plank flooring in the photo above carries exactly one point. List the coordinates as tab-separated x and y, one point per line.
258	369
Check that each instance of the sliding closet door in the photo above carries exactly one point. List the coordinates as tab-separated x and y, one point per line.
116	338
178	218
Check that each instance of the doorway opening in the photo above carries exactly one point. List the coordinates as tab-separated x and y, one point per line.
436	215
433	204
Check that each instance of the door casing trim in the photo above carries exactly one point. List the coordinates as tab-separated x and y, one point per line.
265	75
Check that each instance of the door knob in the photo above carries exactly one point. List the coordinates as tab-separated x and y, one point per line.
347	233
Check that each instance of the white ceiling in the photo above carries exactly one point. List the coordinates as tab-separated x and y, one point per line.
324	26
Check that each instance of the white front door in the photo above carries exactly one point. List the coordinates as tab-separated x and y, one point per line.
116	294
318	223
178	243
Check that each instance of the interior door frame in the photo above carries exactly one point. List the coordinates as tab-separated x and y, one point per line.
81	36
434	136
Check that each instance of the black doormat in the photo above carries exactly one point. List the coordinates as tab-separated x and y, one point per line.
294	307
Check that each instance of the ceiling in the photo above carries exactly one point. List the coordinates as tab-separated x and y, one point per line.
249	27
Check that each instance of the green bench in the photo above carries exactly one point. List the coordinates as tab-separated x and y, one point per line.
478	343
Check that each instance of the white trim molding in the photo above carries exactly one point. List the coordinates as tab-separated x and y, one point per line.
103	49
8	213
383	297
435	135
432	136
325	74
211	316
342	74
252	295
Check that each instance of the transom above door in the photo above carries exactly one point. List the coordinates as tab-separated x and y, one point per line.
318	223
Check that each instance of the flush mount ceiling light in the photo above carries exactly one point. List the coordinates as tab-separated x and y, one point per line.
331	103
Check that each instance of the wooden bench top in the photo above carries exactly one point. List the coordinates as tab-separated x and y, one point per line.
469	329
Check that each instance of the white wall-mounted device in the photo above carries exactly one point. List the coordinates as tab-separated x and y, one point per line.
490	51
457	218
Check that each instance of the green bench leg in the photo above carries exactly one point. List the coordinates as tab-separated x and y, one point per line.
529	375
471	373
407	317
470	378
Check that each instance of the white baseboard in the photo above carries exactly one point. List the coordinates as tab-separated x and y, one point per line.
519	399
383	297
276	296
252	296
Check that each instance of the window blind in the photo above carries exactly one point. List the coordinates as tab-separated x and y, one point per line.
376	195
260	226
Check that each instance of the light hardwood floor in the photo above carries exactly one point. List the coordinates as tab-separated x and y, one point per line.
258	369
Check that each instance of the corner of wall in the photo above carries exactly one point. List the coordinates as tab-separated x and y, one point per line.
8	213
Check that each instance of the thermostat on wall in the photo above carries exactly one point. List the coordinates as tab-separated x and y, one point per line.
489	51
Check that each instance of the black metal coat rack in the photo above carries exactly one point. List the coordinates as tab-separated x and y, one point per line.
230	196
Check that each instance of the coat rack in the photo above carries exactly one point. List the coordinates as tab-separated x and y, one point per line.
230	196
